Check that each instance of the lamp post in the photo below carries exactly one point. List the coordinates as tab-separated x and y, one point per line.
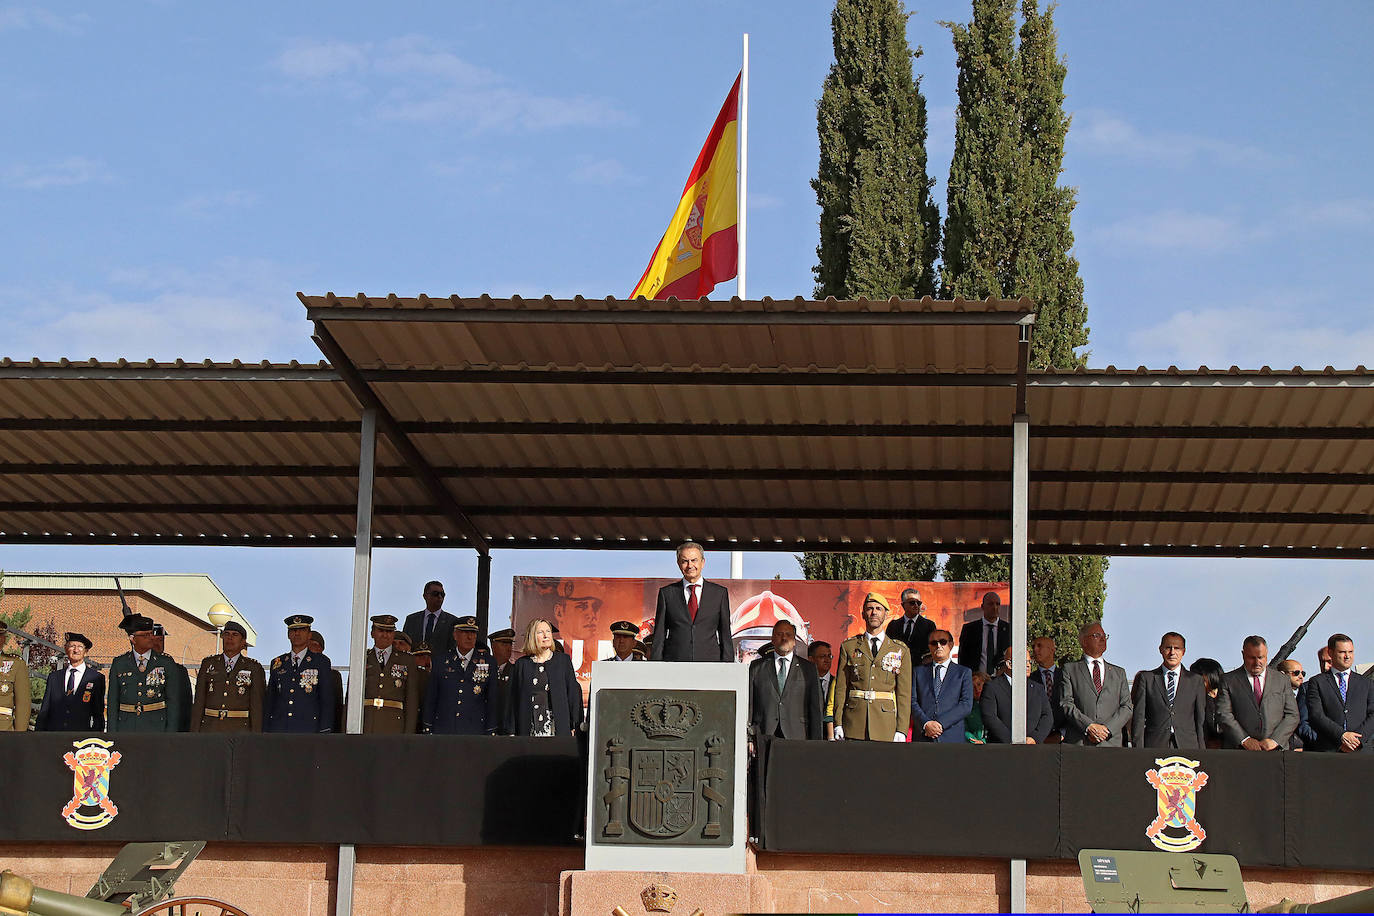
219	615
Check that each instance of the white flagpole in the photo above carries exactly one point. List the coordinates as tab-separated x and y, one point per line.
737	556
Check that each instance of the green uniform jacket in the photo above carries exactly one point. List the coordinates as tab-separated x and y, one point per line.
229	701
143	701
15	694
874	719
398	683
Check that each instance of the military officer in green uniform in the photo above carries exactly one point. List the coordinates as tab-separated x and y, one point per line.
183	678
391	699
15	690
142	693
230	687
624	635
873	682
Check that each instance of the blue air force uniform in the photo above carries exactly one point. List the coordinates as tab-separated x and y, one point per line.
300	697
458	698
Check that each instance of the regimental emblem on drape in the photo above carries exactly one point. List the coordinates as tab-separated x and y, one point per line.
91	763
670	783
1177	781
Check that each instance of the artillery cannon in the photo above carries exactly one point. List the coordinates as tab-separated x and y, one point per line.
139	882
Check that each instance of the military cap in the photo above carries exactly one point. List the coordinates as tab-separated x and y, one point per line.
624	628
384	621
874	596
159	630
403	636
297	621
136	623
506	635
767	649
422	649
640	649
4	627
77	637
466	624
234	626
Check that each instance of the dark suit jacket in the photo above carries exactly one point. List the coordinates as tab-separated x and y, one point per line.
1154	720
677	638
971	644
1240	718
440	641
83	711
996	708
1304	737
798	712
565	696
1084	706
953	707
1053	694
1330	718
919	641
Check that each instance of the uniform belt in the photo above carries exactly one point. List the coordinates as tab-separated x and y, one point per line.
389	704
147	707
874	694
225	713
6	711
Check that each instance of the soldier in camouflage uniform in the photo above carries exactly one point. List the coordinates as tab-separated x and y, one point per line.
142	694
15	690
391	699
230	688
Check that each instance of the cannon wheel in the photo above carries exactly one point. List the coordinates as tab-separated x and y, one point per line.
192	906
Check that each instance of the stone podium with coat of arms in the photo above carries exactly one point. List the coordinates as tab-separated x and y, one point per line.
666	784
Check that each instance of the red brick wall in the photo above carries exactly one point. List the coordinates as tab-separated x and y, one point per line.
97	615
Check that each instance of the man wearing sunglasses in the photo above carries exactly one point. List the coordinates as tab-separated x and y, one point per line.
913	627
433	626
942	695
1304	736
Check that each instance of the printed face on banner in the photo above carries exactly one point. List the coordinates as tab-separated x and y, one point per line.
583	608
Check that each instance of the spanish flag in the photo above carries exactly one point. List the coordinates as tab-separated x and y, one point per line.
701	246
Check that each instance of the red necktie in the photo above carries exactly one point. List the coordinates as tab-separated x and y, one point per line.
1097	676
1259	691
692	602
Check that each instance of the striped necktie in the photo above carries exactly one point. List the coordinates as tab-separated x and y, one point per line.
1169	686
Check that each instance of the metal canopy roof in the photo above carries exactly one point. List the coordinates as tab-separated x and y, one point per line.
750	425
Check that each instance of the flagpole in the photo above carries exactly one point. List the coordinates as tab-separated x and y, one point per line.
737	556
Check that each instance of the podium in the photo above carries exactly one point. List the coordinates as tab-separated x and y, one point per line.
666	786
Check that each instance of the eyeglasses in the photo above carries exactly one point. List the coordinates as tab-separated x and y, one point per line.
939	642
1298	673
1102	636
436	594
911	601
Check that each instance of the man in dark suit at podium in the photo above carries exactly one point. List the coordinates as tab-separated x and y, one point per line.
692	622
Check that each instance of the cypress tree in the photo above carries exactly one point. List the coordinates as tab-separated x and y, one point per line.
1007	234
880	227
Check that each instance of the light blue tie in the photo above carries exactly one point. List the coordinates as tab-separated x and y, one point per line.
1341	677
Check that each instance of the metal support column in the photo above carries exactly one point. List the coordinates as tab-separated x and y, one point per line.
358	629
483	596
1020	482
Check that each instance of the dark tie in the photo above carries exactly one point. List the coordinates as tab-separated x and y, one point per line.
910	625
1169	687
875	648
782	673
429	626
939	677
71	683
1259	692
992	648
1097	676
1049	682
692	601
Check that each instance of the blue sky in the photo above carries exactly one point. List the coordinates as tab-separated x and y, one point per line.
175	172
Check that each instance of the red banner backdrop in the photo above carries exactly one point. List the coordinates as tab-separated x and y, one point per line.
584	608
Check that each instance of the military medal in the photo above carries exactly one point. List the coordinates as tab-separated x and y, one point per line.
398	680
242	690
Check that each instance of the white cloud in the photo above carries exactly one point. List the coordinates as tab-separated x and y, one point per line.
24	18
1336	214
63	173
234	309
412	79
1181	230
1101	132
210	203
1297	329
603	172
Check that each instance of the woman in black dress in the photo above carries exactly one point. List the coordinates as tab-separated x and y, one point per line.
546	699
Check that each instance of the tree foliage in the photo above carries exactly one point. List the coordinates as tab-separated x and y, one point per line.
1007	234
875	567
880	227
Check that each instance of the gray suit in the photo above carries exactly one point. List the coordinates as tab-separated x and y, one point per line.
1154	723
799	712
1240	718
1083	705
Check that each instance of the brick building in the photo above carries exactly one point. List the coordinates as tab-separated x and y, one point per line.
89	603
